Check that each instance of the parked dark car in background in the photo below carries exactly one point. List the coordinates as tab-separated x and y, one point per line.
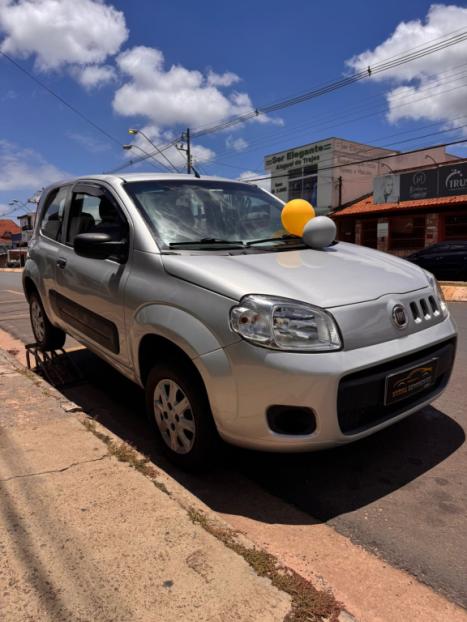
446	260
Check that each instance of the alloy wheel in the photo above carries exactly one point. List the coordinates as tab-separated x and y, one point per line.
38	321
174	416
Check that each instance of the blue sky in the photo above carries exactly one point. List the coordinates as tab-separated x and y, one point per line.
115	63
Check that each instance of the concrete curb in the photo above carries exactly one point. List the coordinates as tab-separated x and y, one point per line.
454	292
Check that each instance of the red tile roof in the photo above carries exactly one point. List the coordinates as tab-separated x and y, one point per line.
365	205
8	226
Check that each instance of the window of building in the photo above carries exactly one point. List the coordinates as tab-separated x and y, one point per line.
407	232
369	233
455	227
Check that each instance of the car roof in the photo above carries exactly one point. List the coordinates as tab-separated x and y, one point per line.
129	177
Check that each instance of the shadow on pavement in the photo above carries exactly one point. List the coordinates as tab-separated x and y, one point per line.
324	484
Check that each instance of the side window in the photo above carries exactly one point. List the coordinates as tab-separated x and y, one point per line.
95	214
53	214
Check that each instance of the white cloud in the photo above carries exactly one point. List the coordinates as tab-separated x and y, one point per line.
431	86
225	79
173	96
262	183
61	32
237	144
94	76
25	169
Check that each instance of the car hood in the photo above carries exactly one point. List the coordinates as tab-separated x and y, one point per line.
338	275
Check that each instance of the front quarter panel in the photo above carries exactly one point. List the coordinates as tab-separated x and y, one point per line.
195	319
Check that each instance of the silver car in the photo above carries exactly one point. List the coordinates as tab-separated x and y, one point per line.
192	289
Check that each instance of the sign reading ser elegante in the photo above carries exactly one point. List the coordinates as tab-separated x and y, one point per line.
309	154
443	181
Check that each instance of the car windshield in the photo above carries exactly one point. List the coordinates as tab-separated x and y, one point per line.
209	214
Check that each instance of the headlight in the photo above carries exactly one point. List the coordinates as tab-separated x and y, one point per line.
443	307
283	324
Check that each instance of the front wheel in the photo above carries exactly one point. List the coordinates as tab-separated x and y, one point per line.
47	336
178	409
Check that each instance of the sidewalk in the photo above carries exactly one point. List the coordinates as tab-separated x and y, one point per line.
84	536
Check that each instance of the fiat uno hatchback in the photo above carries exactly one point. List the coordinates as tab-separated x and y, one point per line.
192	289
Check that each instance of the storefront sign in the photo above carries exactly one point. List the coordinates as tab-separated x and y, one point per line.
419	185
386	189
309	154
453	180
443	181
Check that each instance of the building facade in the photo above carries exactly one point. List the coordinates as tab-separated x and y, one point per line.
333	172
405	227
409	209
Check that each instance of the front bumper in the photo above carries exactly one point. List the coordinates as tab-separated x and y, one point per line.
260	378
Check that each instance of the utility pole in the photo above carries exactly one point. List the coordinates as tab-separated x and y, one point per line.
340	190
189	164
188	151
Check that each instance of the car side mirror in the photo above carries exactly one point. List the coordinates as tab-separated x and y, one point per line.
100	246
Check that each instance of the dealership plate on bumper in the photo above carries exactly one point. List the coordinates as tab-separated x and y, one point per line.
406	383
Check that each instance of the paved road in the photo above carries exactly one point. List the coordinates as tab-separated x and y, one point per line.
401	493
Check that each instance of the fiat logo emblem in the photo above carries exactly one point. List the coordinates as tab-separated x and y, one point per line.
399	316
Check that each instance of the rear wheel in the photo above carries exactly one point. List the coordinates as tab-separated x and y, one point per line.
179	411
47	336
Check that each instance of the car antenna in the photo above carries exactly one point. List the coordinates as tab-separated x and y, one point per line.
197	175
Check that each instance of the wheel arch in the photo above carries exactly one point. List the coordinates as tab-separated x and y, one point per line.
29	287
153	347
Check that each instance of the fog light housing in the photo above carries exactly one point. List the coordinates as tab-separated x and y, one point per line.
291	420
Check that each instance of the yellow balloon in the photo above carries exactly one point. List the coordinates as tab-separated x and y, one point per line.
295	214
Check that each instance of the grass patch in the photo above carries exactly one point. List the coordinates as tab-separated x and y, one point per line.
126	453
308	603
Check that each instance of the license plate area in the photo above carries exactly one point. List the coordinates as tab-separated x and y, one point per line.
413	380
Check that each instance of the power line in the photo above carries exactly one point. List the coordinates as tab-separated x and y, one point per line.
61	100
442	37
406	101
134	161
333	86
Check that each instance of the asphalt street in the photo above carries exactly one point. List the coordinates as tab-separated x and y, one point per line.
401	493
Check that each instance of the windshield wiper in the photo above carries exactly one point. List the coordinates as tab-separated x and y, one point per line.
208	241
281	238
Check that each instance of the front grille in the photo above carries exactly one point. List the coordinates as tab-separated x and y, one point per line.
424	309
360	399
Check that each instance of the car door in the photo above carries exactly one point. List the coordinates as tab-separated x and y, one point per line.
46	244
90	293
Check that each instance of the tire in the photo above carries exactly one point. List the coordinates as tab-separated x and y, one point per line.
47	336
179	412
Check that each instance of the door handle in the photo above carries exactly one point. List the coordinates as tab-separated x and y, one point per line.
61	263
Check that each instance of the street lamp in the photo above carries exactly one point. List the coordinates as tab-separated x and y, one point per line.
128	147
134	131
429	157
387	166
